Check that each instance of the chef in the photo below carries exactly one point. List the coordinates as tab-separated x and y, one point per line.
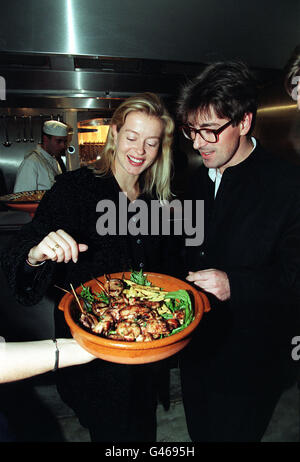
40	167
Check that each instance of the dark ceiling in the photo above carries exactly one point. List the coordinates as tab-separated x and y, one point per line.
263	33
93	50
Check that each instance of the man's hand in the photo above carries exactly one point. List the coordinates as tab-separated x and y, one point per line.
212	281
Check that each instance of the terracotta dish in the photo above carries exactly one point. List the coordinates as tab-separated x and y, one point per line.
135	352
26	201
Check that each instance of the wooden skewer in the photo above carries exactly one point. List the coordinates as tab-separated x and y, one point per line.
77	300
64	290
101	286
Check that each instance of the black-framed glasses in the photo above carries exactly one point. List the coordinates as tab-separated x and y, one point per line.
207	134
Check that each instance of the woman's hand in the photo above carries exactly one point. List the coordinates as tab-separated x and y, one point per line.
57	246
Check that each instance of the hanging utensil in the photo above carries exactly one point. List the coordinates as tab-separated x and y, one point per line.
24	138
31	130
18	138
6	143
41	128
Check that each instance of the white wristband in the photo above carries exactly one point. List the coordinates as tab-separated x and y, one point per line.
38	264
56	364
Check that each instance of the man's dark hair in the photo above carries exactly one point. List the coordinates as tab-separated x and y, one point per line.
292	69
229	88
46	134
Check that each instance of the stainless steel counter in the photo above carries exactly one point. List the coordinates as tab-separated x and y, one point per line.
11	220
19	322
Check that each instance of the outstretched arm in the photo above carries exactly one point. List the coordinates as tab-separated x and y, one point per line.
21	360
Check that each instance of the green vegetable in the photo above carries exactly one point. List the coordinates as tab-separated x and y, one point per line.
172	304
139	278
178	300
166	315
102	297
86	294
89	298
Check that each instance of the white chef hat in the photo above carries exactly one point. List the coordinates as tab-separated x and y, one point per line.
53	127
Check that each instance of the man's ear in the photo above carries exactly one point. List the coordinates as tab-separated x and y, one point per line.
245	124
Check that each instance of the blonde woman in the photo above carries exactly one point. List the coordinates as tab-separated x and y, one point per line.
63	245
156	176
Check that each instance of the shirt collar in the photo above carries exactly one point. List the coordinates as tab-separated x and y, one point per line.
214	173
46	154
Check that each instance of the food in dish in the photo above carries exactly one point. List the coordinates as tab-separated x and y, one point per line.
133	309
25	196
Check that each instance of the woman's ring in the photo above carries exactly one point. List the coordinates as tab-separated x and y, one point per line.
55	247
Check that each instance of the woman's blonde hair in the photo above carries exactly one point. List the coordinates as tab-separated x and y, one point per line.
156	178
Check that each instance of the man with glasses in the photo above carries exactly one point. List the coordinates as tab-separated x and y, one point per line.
234	370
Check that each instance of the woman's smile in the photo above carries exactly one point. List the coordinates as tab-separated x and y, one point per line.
134	160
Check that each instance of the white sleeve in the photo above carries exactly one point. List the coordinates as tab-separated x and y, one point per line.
27	176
